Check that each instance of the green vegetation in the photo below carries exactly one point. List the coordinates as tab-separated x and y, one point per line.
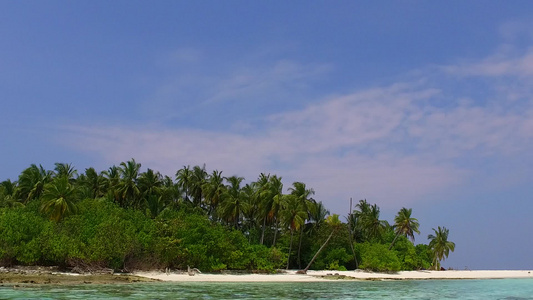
125	219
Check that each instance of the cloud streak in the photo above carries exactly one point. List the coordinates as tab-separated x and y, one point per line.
394	144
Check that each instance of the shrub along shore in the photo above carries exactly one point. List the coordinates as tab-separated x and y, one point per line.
124	219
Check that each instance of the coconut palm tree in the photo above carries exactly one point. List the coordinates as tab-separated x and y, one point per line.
405	225
31	182
334	222
184	179
265	198
317	215
67	170
303	195
293	215
198	179
112	176
214	189
440	246
58	198
233	205
170	194
276	191
355	219
8	190
368	222
150	184
94	183
127	187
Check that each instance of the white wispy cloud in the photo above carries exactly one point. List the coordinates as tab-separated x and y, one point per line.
204	83
395	144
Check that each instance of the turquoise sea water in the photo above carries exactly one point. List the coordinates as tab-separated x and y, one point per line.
415	289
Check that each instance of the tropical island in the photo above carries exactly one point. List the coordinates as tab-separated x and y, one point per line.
125	220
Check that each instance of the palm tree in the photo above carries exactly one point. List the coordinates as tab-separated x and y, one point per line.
198	179
214	189
67	170
334	222
112	176
405	225
150	184
58	199
293	215
317	215
170	194
368	222
184	179
265	198
127	187
303	195
95	183
31	182
8	190
276	191
440	246
232	206
251	210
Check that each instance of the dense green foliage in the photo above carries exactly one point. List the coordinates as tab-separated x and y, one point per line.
126	219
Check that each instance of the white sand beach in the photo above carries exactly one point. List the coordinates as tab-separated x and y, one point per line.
312	276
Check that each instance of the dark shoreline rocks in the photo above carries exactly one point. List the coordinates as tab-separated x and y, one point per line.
52	275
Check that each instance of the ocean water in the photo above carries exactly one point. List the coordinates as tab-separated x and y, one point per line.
412	289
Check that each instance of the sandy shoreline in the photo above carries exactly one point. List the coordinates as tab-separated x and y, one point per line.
314	276
50	275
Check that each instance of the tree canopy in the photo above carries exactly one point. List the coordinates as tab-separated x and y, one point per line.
129	218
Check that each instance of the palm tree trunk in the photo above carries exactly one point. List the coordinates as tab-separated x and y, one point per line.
300	247
318	252
263	231
390	247
275	232
353	249
290	249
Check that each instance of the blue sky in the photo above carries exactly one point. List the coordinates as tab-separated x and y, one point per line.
421	104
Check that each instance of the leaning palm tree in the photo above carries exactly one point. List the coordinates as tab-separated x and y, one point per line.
334	222
440	246
58	199
405	225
